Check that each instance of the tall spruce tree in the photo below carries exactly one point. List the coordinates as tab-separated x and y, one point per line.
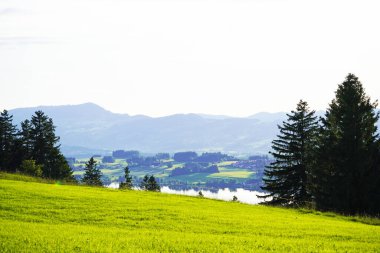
41	145
343	179
7	140
22	149
26	139
128	180
286	179
92	175
36	141
43	138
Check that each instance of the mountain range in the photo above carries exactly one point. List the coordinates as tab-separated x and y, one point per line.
86	129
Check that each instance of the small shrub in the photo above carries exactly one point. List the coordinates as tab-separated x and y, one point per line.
31	168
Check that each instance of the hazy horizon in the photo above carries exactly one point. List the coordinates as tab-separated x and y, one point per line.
164	57
152	116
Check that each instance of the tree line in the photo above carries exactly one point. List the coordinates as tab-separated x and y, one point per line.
331	163
92	176
34	149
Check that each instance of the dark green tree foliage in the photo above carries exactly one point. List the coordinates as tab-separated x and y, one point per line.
41	144
20	148
153	185
36	141
343	181
149	183
286	179
144	182
42	137
23	148
92	175
25	136
374	205
7	140
58	166
128	180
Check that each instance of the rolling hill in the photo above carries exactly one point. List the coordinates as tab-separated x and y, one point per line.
40	217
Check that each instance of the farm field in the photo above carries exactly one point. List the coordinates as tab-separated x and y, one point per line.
226	172
232	173
41	217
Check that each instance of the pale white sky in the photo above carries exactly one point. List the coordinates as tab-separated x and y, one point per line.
232	57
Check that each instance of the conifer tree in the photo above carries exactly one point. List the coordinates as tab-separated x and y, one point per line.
149	183
42	137
60	168
26	139
92	175
144	183
153	185
22	147
41	145
7	140
374	195
286	179
348	149
128	180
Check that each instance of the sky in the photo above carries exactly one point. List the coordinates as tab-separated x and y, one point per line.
161	57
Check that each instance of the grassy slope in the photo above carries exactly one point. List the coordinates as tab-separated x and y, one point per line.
39	217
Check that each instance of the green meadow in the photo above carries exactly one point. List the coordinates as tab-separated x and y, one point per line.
43	216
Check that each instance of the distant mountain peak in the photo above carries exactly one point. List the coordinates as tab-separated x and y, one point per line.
214	116
88	104
269	116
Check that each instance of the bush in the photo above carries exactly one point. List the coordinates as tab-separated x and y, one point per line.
31	168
